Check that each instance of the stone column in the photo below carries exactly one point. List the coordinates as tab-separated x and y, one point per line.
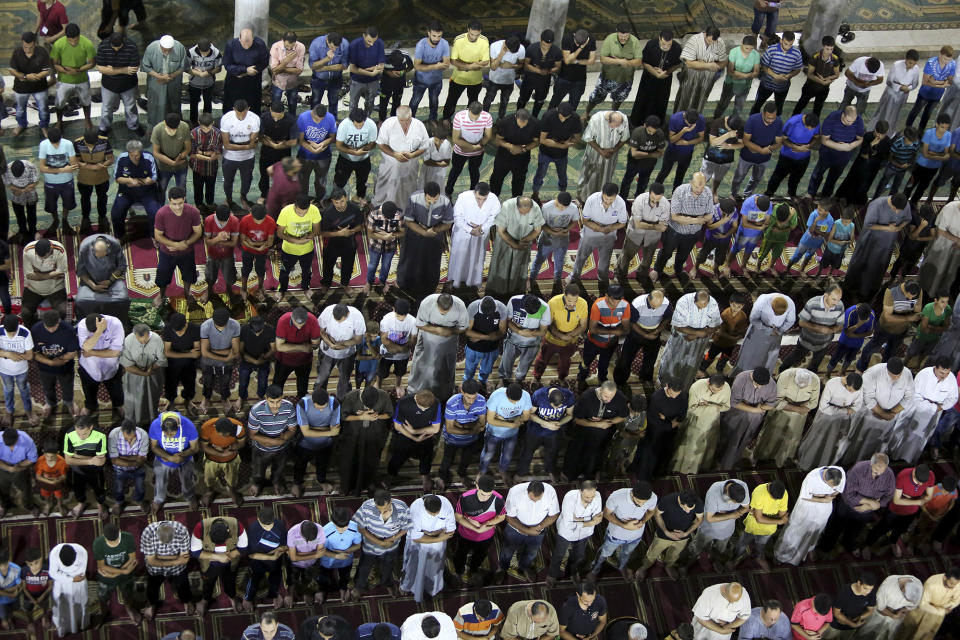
547	14
823	19
253	14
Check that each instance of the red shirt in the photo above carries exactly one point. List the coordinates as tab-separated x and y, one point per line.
283	191
177	228
288	332
910	489
211	228
257	231
52	18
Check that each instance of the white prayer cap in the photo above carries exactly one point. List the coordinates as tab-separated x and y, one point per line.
167	41
802	377
637	632
913	592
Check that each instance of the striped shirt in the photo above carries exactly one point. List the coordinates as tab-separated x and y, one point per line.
471	130
782	62
263	421
647	317
150	545
606	316
816	313
685	203
688	314
117	445
368	517
470	624
458	413
903	152
207	143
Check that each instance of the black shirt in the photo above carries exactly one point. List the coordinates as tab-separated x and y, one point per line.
333	220
486	323
512	132
675	517
308	630
656	57
589	406
670	408
390	83
576	72
409	411
648	143
280	130
471	506
542	61
184	343
559	131
718	127
256	344
126	56
53	344
851	605
578	621
39	61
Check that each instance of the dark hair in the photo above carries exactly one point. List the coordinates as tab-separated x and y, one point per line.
688	498
712	32
225	426
475	25
432	503
788	35
895	366
512	43
828	41
642	490
811	119
341	516
944	118
176	193
172	120
430	626
823	603
54	134
220	531
953	573
833	475
302	202
382	632
327	626
28	37
949	483
485	483
770	107
535	487
334	38
431	189
371	31
320	110
482	609
760	375
10	436
308	529
381	497
867	577
240	105
11	322
482	188
855	380
610	189
637	402
587	588
265	515
735	491
68	555
912	54
776	489
872	65
274	392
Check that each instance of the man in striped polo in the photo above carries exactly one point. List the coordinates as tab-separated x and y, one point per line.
821	317
271	425
609	320
778	65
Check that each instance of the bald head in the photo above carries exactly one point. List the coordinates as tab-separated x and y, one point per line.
524	203
404	113
615	118
779	305
100	248
733	591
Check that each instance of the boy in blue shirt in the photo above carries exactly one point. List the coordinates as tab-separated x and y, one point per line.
858	321
756	212
368	355
841	236
507	409
342	540
819	225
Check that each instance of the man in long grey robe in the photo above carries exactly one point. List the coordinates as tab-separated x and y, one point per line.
885	218
798	392
840	400
773	315
887	391
441	319
101	274
144	363
518	225
432	523
426	219
164	61
903	77
402	140
695	320
942	259
752	394
606	132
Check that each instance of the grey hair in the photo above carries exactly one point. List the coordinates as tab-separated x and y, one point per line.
404	112
802	377
880	457
609	385
637	631
141	330
134	145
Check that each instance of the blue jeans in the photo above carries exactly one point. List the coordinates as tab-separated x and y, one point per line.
609	546
513	540
263	378
557	254
41	98
563	87
276	93
179	178
484	359
331	88
771	17
20	381
122	204
945	427
543	162
133	474
381	260
433	97
490	445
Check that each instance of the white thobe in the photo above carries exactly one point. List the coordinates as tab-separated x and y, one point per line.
868	433
890	595
712	605
423	563
467	252
69	598
808	518
397	180
412	628
916	424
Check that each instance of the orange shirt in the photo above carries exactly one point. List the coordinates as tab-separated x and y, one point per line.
43	470
209	433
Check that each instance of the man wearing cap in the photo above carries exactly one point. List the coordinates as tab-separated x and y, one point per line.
44	269
164	61
542	61
173	440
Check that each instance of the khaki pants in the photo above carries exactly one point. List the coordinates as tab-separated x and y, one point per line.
212	470
666	551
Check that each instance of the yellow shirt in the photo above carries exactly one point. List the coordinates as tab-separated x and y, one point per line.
564	320
768	506
298	226
466	51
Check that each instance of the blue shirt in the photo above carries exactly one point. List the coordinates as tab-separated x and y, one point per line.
782	62
823	226
57	158
430	55
848	318
798	133
146	168
260	540
339	541
506	409
834	129
934	145
545	409
757	216
177	443
755	629
24	449
455	411
676	124
939	74
762	135
318	51
365	631
316	132
309	414
841	231
725	227
364	57
10	580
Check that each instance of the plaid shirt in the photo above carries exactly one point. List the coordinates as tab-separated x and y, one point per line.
205	142
124	448
381	223
150	545
685	203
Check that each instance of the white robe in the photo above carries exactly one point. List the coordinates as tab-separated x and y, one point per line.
412	628
467	252
890	596
596	170
397	180
916	424
423	563
712	605
867	432
808	518
69	598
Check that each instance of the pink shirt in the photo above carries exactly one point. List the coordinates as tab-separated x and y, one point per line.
295	540
277	53
807	617
471	130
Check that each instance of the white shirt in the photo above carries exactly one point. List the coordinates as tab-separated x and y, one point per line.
501	75
240	132
399	331
422	522
880	390
890	594
621	504
711	605
928	392
643	211
19	342
594	210
341	330
530	512
466	213
687	314
392	135
763	312
859	69
835	399
573	513
411	628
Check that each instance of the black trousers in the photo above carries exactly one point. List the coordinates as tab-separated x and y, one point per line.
223	572
653	450
180	371
345	168
454	91
333	248
790	168
585	451
577	551
638	171
816	92
763	94
274	461
890	523
260	568
670	158
475	550
180	582
320	459
468	453
536	85
288	261
403	448
631	346
204	189
797	355
86	193
268	158
492	89
922	177
603	356
384	562
845	526
534	438
90	387
456	167
334	578
672	241
506	163
282	371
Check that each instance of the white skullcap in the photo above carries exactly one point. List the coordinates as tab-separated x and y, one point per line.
637	631
913	592
167	41
802	377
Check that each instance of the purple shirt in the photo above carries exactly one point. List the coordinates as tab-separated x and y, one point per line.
725	227
295	540
101	369
862	484
23	449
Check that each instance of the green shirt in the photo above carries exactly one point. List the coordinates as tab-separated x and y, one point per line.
933	320
66	55
170	146
743	65
95	444
115	557
612	48
776	232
